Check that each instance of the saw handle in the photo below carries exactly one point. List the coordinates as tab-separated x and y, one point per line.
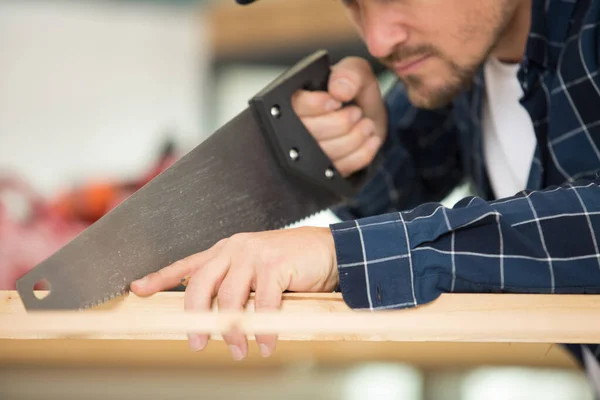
297	150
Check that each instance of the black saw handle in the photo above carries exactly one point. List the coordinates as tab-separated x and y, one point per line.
297	150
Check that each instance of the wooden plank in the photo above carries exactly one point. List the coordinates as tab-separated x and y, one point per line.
323	317
454	331
84	353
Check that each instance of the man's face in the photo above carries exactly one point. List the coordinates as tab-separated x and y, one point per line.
434	46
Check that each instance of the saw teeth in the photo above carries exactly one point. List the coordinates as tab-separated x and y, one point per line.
105	299
301	220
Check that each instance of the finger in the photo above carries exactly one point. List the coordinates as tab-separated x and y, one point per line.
267	298
201	290
174	274
353	79
333	125
359	159
342	146
309	104
233	296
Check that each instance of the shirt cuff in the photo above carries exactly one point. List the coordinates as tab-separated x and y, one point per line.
375	263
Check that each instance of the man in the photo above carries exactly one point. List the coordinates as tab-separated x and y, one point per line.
504	93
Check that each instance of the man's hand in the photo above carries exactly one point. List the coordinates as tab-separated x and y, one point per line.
350	136
268	263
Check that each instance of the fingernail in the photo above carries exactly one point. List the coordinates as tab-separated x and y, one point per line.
355	115
264	350
344	87
332	105
195	343
236	352
141	282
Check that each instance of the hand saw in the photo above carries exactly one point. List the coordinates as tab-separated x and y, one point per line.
260	171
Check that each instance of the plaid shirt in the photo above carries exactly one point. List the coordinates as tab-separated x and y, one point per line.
398	247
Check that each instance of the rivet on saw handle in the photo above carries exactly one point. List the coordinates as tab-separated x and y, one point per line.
296	149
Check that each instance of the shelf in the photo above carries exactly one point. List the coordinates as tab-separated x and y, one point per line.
273	29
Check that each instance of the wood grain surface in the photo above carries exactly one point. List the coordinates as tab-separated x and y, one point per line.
454	331
322	317
73	353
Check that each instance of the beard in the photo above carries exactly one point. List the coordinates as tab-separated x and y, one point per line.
419	94
460	76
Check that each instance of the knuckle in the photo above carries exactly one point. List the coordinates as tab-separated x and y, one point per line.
366	67
343	169
352	62
179	267
356	67
225	295
251	245
360	159
357	137
310	126
296	97
305	102
361	65
344	146
357	60
221	242
363	158
367	125
314	100
239	238
297	109
331	153
349	117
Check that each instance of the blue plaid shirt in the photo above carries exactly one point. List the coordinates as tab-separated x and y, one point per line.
398	247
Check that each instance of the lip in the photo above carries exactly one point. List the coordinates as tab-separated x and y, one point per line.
410	65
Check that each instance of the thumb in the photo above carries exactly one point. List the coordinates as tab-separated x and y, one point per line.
353	79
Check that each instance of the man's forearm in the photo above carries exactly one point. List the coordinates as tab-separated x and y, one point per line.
535	242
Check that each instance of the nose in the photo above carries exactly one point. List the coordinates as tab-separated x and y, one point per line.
382	30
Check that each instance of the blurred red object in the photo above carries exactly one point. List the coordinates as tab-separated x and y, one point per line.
32	228
93	200
30	231
89	202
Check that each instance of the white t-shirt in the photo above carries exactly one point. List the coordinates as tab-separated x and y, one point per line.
508	136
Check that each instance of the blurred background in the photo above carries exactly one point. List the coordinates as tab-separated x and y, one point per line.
96	98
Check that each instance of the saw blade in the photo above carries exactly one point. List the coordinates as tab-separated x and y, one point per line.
260	171
228	184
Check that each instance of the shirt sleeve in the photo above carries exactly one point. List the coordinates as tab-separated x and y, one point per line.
420	160
534	242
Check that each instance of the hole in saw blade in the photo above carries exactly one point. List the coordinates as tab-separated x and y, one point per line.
41	289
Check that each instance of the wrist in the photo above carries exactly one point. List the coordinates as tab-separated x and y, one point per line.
332	279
